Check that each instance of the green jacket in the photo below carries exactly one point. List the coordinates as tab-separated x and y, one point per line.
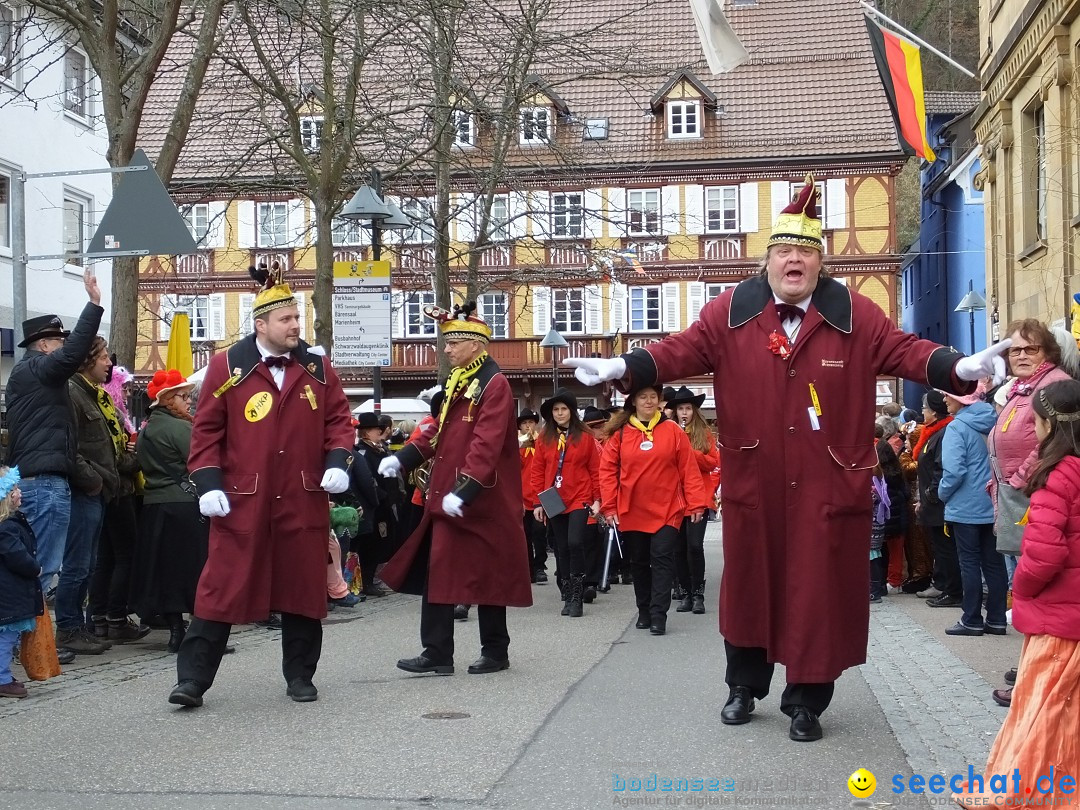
162	449
94	469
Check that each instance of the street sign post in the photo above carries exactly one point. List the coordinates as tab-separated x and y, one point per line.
363	317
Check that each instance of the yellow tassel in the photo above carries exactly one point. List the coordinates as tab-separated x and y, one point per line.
1024	520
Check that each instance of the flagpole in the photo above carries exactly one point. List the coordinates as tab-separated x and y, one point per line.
921	42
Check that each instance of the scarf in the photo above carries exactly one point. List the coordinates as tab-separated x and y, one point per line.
112	419
927	432
646	429
882	507
1025	388
562	439
458	382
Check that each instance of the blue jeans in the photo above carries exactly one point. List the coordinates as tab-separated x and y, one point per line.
46	502
86	516
8	640
979	559
1010	566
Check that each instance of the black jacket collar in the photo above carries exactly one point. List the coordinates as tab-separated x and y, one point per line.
831	298
244	357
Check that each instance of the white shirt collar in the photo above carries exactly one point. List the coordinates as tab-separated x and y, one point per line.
264	353
804	305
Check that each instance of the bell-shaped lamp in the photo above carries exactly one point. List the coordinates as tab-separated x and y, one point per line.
397	219
365	205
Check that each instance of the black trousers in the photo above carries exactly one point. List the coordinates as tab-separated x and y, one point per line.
535	541
690	553
946	563
110	583
437	631
749	667
570	529
200	653
652	562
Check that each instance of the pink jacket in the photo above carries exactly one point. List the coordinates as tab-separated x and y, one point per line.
1013	445
1046	585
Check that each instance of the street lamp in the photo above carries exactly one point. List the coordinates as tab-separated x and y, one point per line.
554	341
971	303
367	206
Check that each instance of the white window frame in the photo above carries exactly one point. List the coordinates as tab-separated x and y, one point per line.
417	324
199	309
644	204
5	211
77	87
263	213
10	45
494	308
684	119
567	215
197	219
822	198
499	225
311	132
346	232
464	124
722	209
641	298
568	310
76	235
531	120
1040	180
419	212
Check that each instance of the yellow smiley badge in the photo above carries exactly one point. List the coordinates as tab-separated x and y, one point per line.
862	783
258	406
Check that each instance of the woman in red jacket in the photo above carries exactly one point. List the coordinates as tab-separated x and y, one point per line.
566	461
690	553
1040	740
649	481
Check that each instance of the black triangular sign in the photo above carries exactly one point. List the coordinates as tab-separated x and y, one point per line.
142	217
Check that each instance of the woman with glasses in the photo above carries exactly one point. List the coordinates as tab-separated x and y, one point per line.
1034	360
173	536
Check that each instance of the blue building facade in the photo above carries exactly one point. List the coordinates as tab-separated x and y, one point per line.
948	257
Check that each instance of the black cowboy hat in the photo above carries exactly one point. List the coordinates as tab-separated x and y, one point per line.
628	403
43	326
594	415
567	398
685	396
526	415
666	394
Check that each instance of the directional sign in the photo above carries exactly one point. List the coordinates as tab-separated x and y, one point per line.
363	318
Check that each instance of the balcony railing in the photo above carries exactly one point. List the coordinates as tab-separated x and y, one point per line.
568	254
194	264
350	254
268	256
723	247
416	257
512	354
496	256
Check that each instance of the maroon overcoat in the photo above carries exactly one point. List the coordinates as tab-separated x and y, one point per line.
480	558
796	501
267	450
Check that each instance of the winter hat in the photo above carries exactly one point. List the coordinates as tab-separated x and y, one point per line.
164	382
935	401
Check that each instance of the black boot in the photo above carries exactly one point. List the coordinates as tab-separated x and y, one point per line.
577	589
686	604
698	598
177	629
564	587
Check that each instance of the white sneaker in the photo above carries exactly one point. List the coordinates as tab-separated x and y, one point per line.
893	589
929	593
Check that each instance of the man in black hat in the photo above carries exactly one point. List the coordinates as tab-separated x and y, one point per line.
41	428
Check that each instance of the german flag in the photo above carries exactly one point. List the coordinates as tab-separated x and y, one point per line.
900	66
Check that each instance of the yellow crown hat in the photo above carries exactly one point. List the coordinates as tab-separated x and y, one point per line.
275	293
798	224
461	324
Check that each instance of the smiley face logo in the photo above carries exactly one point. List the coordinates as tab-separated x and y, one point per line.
862	783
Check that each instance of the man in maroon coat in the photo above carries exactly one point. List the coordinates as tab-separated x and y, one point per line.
272	436
794	356
470	546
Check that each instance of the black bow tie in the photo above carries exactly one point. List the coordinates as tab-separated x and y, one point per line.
789	312
278	362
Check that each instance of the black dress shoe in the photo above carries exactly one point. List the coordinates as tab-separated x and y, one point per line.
658	626
187	693
302	690
804	725
271	622
643	621
65	656
1010	676
739	706
961	629
483	665
945	601
422	664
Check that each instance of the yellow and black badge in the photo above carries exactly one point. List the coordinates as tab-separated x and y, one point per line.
258	406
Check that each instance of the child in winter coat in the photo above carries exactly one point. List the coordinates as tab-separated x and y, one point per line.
20	592
1041	734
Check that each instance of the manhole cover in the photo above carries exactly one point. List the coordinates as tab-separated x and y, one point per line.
445	716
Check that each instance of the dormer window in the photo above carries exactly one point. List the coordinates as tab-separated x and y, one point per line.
684	119
536	125
311	133
464	124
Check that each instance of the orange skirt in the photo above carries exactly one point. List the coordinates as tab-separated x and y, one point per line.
1041	731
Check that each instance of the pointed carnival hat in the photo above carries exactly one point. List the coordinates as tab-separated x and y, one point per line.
798	224
461	324
275	293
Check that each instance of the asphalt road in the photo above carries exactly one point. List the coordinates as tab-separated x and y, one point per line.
592	713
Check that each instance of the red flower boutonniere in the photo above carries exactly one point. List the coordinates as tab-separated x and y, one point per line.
779	345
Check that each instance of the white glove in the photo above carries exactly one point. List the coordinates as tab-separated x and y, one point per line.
335	480
987	363
390	467
214	504
595	370
451	504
